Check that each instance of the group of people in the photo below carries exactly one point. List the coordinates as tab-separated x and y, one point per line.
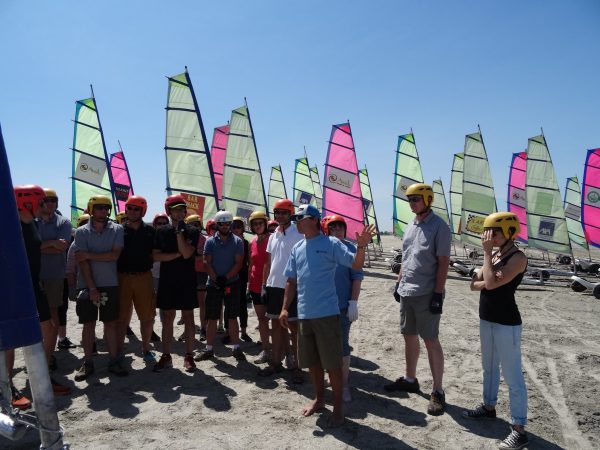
300	272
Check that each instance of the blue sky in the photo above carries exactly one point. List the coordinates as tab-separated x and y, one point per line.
439	67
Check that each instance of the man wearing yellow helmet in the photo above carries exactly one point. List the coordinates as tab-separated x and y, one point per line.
98	245
420	292
500	324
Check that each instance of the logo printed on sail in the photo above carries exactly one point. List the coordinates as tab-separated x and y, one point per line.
91	169
593	197
340	180
475	224
546	228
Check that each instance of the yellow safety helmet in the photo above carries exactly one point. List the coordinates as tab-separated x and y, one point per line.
83	219
120	216
257	215
50	193
422	189
98	200
193	218
506	221
239	219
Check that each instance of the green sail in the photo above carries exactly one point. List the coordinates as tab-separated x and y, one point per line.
189	167
303	189
243	189
456	181
90	170
408	171
478	199
277	189
314	175
367	195
546	224
439	205
572	205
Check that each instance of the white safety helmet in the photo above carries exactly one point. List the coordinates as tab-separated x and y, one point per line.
223	216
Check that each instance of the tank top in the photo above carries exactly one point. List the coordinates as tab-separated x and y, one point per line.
499	305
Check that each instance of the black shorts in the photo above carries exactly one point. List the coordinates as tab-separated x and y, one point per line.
258	299
275	303
88	312
201	279
176	295
215	298
41	302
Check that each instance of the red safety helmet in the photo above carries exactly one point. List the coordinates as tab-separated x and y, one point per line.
332	219
139	201
173	201
284	203
211	226
159	216
29	197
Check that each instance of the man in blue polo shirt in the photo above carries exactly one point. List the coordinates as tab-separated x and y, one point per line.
311	273
223	259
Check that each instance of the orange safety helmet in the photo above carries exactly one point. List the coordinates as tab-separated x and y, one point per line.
159	216
332	219
174	201
211	226
29	197
139	201
284	203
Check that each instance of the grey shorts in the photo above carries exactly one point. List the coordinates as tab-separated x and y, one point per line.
54	292
415	317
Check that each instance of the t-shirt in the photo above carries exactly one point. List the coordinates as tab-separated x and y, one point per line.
137	253
313	263
279	247
258	254
344	276
87	239
178	270
223	252
422	243
54	264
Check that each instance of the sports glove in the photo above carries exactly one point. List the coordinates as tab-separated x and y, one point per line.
353	310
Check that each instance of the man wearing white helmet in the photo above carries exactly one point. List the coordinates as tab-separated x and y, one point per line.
223	258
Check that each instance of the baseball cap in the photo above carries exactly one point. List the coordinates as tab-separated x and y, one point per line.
306	211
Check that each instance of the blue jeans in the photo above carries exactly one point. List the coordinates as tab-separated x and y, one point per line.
501	347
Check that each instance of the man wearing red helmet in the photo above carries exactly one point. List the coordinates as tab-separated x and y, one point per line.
175	247
135	279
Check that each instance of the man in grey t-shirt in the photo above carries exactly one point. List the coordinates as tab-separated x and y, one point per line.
420	291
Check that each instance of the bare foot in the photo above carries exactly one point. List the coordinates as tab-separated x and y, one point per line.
335	421
312	407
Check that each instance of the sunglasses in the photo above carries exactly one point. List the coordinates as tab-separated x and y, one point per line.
414	199
237	225
161	224
223	224
100	207
333	226
283	212
133	208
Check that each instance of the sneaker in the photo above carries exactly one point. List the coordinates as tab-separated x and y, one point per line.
181	337
65	344
202	335
402	385
149	357
130	332
346	396
154	337
238	354
84	371
246	338
480	412
52	365
60	389
188	363
263	357
226	340
437	404
205	355
117	368
19	400
164	362
220	329
514	441
270	370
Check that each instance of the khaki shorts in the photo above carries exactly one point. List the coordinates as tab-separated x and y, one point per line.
320	342
54	292
136	290
415	317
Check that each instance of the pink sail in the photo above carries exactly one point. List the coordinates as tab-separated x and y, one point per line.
341	184
590	199
217	155
122	186
517	203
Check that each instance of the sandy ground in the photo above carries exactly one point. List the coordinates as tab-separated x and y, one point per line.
226	405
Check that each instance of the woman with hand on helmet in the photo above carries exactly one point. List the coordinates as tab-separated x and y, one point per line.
256	262
500	323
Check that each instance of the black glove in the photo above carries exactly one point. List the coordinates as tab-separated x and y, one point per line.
221	282
180	226
396	295
436	303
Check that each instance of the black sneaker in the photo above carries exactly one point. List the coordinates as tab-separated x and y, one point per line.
117	369
514	441
65	344
130	332
437	404
154	337
480	412
245	337
84	371
204	355
238	354
402	385
202	335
